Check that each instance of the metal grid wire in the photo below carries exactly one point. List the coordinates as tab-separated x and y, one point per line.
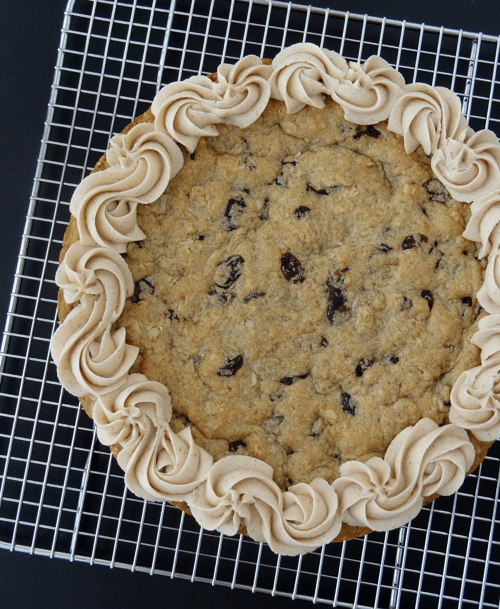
61	494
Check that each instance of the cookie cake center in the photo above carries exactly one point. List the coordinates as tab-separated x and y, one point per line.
304	292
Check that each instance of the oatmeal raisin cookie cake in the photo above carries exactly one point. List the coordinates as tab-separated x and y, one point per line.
272	302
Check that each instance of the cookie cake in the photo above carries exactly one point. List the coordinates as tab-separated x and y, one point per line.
279	298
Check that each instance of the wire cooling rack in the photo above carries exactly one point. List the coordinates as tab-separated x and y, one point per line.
61	494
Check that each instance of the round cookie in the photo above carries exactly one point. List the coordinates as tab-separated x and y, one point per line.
302	288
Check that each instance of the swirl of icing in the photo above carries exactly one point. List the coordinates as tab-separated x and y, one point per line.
422	460
89	358
367	93
240	492
468	164
159	465
95	270
483	225
425	115
475	400
142	163
185	110
244	91
487	337
302	73
489	293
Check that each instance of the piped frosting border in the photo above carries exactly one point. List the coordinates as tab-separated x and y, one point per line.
132	413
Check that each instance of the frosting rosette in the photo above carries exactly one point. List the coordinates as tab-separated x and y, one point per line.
367	93
483	225
468	164
142	162
186	110
475	399
422	460
244	91
90	357
425	116
489	293
240	492
487	338
93	271
159	465
303	73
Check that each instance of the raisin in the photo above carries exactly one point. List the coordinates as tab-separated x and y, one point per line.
301	211
393	359
337	301
231	367
348	404
233	447
467	300
384	248
138	288
363	365
427	295
368	130
253	296
228	271
199	237
413	241
292	269
172	315
289	451
289	380
234	209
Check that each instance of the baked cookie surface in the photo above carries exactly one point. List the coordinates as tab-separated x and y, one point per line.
304	291
269	304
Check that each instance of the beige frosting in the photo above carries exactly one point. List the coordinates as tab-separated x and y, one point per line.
240	491
475	400
426	116
90	358
421	460
142	162
483	225
190	109
368	92
133	414
469	165
303	73
159	465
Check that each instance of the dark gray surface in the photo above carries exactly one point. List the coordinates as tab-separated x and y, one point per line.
29	38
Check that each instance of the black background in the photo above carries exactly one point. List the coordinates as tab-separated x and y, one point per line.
29	39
